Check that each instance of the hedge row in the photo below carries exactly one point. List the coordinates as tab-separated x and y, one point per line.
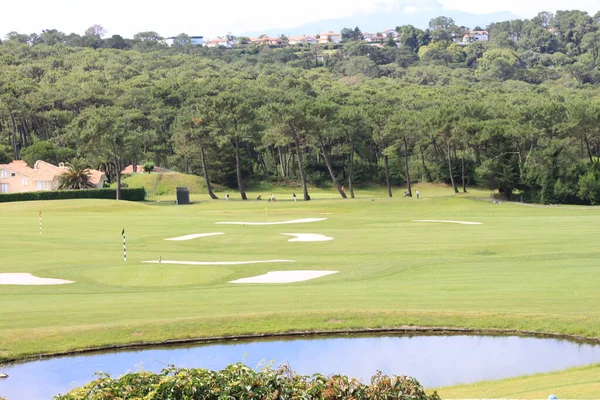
137	194
238	381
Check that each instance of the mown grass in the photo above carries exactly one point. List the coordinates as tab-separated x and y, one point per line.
577	383
527	267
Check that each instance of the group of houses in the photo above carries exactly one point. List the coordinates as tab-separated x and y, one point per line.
376	39
17	176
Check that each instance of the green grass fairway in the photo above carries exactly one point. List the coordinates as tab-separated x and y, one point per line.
527	267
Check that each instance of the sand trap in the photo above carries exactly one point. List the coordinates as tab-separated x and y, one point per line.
285	277
308	237
216	262
195	236
28	279
450	222
294	221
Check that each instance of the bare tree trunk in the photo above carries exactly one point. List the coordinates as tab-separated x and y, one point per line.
301	167
427	173
206	179
387	174
118	171
281	162
351	171
449	157
331	172
14	137
238	170
587	145
23	135
464	181
407	168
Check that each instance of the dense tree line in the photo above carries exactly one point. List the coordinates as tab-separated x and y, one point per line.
519	114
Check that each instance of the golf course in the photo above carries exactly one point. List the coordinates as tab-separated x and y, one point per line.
444	260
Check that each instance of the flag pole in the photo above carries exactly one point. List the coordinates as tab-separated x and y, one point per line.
124	246
40	215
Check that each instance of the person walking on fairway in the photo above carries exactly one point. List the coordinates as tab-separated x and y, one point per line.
227	197
294	196
418	195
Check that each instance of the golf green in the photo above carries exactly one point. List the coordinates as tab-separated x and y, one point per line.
531	268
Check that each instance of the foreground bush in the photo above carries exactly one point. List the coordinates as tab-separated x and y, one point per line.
137	194
238	381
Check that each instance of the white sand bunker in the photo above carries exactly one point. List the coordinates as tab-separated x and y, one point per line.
294	221
308	237
216	262
28	279
450	222
285	277
195	236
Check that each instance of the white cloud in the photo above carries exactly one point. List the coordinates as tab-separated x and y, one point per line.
410	9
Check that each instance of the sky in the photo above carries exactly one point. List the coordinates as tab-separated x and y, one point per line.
211	18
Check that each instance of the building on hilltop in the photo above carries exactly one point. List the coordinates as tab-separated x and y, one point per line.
302	40
17	176
329	37
221	42
195	40
473	36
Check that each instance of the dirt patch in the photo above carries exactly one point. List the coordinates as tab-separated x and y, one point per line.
137	333
334	321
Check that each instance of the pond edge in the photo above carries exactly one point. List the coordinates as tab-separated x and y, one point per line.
308	333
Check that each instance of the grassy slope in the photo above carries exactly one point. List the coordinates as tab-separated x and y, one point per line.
529	268
159	185
577	383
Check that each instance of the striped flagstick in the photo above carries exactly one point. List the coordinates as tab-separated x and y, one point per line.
40	215
124	246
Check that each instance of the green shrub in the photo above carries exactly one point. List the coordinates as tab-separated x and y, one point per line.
137	194
238	381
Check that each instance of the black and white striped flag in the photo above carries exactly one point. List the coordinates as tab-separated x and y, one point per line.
124	246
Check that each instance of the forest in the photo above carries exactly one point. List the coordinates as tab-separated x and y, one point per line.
518	114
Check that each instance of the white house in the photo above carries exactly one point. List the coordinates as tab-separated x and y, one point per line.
330	37
473	36
387	32
195	40
219	42
302	40
481	36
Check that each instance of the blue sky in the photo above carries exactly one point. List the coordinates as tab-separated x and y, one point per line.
211	18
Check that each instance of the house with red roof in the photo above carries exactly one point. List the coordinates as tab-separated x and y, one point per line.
17	176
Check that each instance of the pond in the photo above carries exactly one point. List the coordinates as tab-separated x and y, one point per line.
434	360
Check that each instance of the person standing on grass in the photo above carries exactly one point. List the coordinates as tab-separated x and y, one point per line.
294	196
418	195
227	197
272	198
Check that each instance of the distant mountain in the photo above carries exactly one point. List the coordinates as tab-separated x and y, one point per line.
389	19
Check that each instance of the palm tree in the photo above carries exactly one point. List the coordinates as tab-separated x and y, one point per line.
76	177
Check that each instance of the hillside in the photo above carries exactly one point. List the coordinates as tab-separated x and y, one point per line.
165	183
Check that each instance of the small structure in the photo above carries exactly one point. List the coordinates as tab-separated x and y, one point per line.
183	196
195	40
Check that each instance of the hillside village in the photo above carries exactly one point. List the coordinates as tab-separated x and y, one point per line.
330	37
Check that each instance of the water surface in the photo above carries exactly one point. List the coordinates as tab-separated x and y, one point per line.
434	360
